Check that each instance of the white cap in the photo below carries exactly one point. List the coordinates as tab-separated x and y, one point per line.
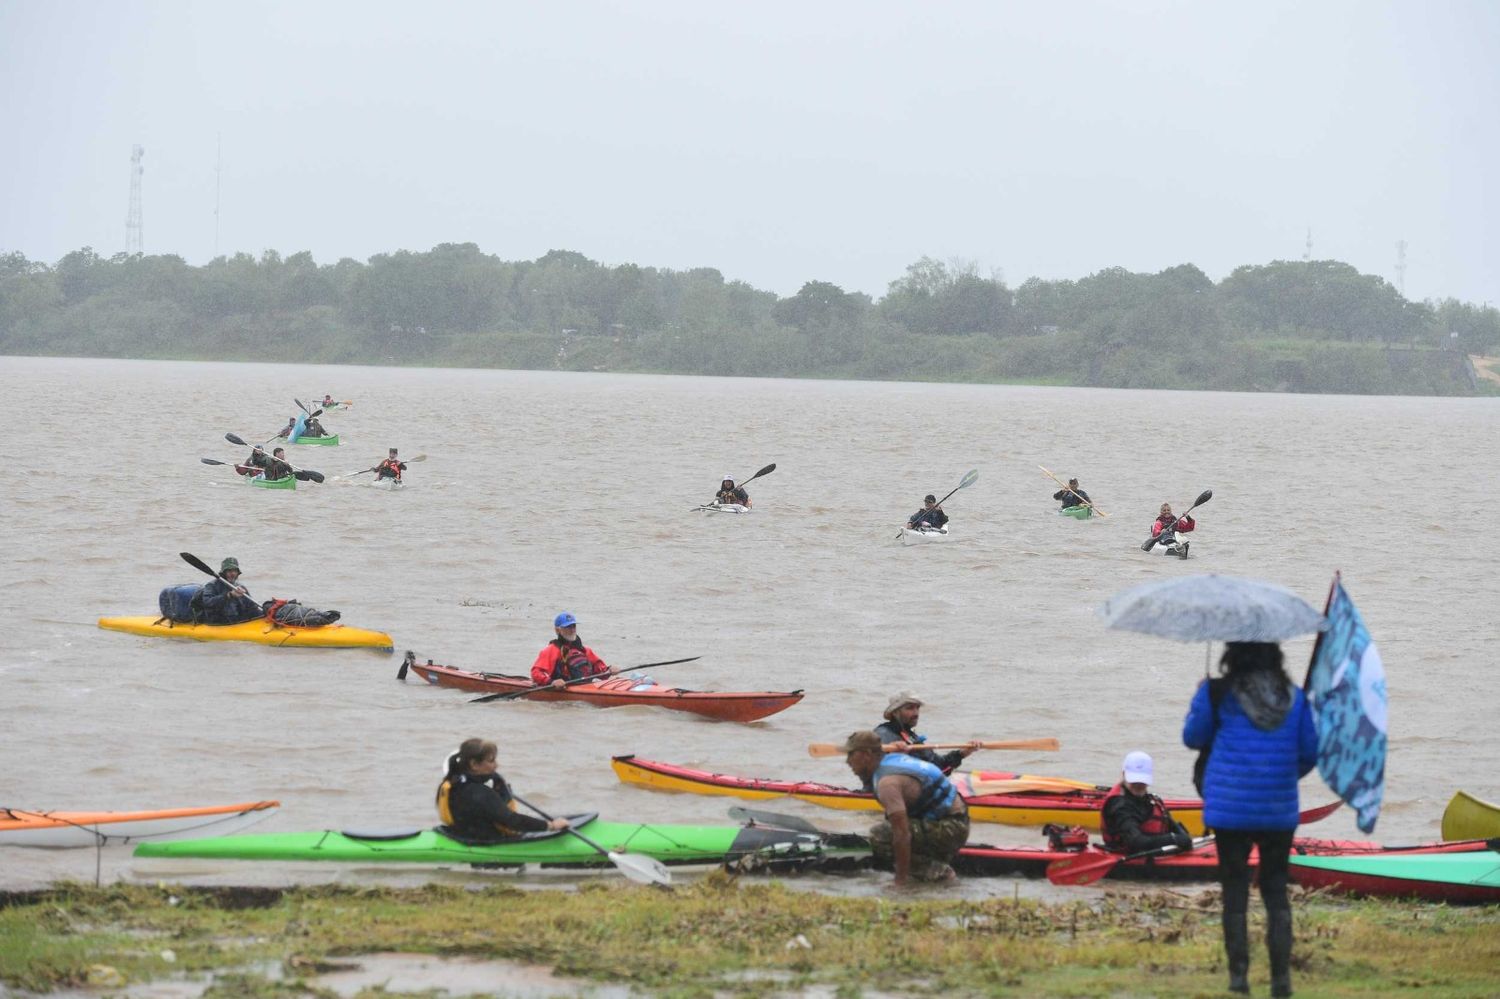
1137	767
727	478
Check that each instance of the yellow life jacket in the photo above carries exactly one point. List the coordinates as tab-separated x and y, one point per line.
445	793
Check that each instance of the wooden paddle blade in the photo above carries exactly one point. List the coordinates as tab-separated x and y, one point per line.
235	439
1049	745
822	749
641	869
1084	869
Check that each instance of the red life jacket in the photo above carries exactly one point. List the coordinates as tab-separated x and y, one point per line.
1157	824
390	466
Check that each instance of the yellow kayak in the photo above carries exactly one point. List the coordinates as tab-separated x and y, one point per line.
1468	817
260	631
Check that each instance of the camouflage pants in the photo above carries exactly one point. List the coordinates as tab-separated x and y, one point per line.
934	844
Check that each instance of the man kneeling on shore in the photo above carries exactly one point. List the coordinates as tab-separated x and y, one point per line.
926	821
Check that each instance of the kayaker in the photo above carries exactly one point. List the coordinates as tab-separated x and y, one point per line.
1261	739
900	728
328	401
276	466
390	468
1166	526
313	428
931	515
565	657
1072	496
474	802
926	821
1133	819
258	458
224	601
286	431
730	493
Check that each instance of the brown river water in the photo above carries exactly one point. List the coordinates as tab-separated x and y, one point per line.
549	491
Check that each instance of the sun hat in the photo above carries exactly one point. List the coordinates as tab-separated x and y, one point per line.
900	701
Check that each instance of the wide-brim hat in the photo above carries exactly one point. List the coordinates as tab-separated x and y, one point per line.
228	564
900	701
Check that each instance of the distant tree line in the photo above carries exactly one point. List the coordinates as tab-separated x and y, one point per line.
1299	326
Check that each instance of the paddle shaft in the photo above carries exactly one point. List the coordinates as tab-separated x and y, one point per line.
646	867
964	483
1070	489
511	695
821	749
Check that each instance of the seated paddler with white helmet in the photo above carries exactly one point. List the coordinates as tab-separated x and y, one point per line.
730	493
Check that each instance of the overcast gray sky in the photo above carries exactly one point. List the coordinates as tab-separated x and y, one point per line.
778	142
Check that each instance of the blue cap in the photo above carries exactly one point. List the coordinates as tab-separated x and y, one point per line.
564	620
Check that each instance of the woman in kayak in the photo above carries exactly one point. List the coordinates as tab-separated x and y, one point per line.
390	468
1133	819
1261	738
475	803
565	657
1072	496
224	601
730	493
931	515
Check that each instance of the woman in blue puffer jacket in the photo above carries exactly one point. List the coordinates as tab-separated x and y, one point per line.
1262	738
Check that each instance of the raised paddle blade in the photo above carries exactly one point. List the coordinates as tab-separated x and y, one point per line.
789	822
968	480
236	439
764	471
300	406
1203	497
197	563
406	664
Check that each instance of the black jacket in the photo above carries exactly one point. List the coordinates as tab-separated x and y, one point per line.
933	517
890	732
218	604
482	813
1123	815
1071	497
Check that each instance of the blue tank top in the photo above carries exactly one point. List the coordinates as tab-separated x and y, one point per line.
938	793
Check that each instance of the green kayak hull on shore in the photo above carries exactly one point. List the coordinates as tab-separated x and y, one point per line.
1441	877
332	440
670	844
290	482
1077	512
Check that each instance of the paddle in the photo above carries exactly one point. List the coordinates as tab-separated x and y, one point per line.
1086	868
964	483
301	474
304	474
789	822
1075	492
764	471
362	471
510	695
646	870
821	749
1203	498
198	563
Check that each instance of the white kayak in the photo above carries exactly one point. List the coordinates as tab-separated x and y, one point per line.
724	508
1174	549
19	827
923	535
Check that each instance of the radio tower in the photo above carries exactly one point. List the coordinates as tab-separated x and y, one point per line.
1307	247
133	242
1401	267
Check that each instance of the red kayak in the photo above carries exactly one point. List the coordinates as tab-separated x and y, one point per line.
618	691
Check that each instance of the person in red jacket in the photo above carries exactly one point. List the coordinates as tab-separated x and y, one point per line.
1163	530
565	657
1134	820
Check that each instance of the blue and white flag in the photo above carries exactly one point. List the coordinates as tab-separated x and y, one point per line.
1346	685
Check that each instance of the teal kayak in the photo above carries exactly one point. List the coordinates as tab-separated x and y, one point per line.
1441	877
670	844
261	482
1077	512
332	440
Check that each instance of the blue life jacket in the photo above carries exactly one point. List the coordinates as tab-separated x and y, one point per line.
938	793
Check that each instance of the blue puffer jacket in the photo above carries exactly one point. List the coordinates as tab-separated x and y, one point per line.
1252	774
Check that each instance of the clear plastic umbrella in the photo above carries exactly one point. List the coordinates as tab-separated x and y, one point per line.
1213	609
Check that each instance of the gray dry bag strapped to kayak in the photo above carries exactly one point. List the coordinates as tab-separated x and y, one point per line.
176	602
293	613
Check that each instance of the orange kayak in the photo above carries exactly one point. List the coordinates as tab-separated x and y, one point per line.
20	827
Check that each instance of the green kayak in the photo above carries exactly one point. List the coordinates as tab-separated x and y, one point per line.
1077	512
670	844
1444	877
332	440
260	482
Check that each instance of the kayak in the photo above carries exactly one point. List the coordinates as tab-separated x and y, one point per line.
1177	549
717	507
260	481
1079	512
19	827
923	535
670	844
1470	876
992	796
335	404
261	631
1468	817
332	440
618	691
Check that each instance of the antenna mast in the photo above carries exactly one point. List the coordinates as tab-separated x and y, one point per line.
1307	247
133	237
1401	267
218	180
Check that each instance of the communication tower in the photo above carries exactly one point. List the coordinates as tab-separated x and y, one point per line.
218	183
1307	247
1401	267
133	239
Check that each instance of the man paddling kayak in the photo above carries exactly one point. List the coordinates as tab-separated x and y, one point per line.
390	468
224	601
926	821
1164	529
313	428
474	802
565	657
930	516
276	466
286	431
730	493
900	727
1072	496
1133	819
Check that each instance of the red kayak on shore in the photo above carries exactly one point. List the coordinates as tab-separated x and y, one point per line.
618	691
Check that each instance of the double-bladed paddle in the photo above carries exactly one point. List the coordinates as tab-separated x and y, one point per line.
199	564
510	695
1070	489
304	474
822	749
964	483
1203	498
405	461
635	866
301	474
740	485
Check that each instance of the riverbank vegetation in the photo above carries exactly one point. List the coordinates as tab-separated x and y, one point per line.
719	936
1313	326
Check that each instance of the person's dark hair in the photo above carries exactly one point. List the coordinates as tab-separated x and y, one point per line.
1249	657
470	751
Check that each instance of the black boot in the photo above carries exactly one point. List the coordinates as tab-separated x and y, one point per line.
1279	945
1237	952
